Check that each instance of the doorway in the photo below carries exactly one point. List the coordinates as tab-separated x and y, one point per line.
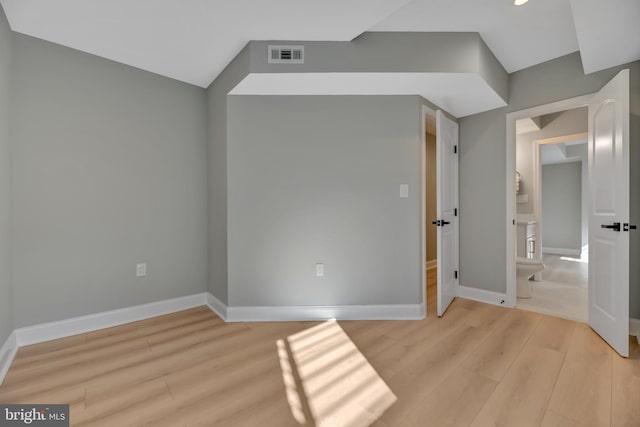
551	213
439	267
608	208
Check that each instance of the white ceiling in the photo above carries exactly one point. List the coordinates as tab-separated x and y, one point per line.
560	153
459	94
194	40
518	36
608	32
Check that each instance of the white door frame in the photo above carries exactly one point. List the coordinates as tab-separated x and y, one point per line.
537	186
511	210
426	112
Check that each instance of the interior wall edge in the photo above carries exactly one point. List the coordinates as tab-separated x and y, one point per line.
7	354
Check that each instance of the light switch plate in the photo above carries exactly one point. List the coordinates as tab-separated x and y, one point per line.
141	270
404	190
319	270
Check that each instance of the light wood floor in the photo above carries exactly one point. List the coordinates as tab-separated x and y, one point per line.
479	365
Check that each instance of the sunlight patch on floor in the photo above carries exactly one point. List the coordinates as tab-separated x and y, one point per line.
328	381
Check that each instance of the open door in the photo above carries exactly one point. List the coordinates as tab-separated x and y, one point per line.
609	212
447	210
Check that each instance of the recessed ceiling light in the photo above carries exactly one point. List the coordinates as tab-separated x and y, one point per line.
520	2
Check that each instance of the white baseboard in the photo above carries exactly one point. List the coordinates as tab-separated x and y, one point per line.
432	264
217	306
562	251
339	312
83	324
482	295
7	353
92	322
634	328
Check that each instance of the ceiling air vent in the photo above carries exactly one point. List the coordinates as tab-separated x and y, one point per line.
286	54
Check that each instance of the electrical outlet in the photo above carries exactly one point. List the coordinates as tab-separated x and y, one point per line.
141	270
319	270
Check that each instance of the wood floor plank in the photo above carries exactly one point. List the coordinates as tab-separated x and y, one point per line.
553	333
521	397
102	341
524	390
101	403
427	367
143	327
455	402
625	396
551	419
583	389
38	350
497	353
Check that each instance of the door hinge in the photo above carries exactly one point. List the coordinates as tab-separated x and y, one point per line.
455	274
455	212
455	149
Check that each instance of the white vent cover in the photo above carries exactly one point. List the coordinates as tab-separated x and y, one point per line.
286	54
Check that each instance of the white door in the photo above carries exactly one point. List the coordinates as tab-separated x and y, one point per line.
608	213
447	210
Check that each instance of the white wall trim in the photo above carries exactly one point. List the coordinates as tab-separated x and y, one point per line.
217	306
338	312
482	295
92	322
561	251
7	353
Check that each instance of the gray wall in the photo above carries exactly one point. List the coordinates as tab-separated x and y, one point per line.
316	179
483	165
560	124
581	151
217	172
562	205
109	169
6	65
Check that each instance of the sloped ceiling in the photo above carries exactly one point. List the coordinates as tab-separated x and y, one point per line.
608	32
194	40
519	36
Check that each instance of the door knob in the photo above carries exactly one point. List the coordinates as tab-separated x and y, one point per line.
443	222
627	227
